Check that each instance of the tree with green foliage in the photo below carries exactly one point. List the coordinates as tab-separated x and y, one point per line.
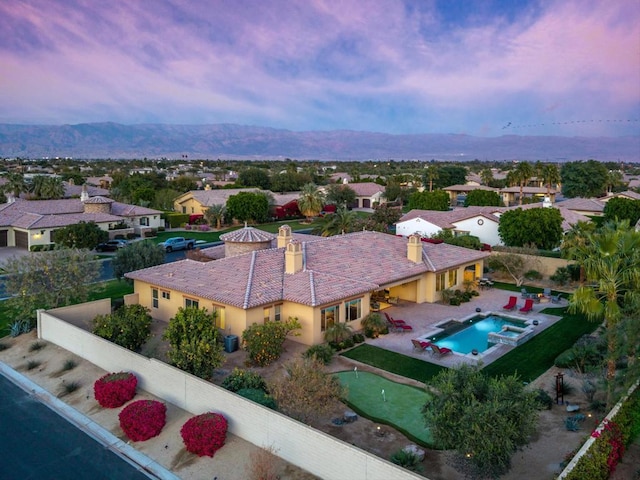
290	181
436	200
136	256
342	221
610	258
486	420
397	191
129	326
382	220
584	179
15	184
515	262
214	215
466	241
341	195
541	227
80	235
521	176
450	175
137	187
264	343
44	187
430	175
254	177
483	198
195	344
486	176
622	209
248	207
550	176
311	201
163	199
306	392
47	280
184	183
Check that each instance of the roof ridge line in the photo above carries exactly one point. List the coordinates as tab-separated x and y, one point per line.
312	288
247	292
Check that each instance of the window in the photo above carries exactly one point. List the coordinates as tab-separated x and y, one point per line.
440	282
453	277
154	297
277	313
219	312
144	221
184	209
329	316
267	314
189	302
166	295
353	310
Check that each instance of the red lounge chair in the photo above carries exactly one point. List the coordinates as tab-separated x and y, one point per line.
513	303
528	306
390	319
420	345
402	327
440	351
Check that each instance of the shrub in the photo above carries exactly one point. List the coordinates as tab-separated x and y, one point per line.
143	419
69	364
544	399
18	327
358	338
68	388
240	379
323	352
407	459
31	364
129	326
258	396
115	389
561	276
204	434
455	301
533	275
374	324
35	346
338	332
265	342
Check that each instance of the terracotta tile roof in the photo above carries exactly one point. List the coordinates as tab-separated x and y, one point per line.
366	189
469	188
334	268
584	204
220	196
126	210
248	235
447	219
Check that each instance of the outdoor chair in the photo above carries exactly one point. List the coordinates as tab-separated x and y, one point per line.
546	292
556	298
440	351
420	345
512	304
528	306
390	319
524	292
393	300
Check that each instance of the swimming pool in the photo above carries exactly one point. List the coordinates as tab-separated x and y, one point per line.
475	336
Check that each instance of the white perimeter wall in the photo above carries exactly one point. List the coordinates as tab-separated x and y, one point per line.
416	225
299	444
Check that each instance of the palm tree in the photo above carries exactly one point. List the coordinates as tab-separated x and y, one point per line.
430	175
521	175
338	332
611	260
215	214
311	201
486	175
342	221
15	184
52	188
550	175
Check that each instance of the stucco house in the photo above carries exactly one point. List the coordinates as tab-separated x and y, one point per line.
319	280
480	222
25	223
198	201
458	193
368	194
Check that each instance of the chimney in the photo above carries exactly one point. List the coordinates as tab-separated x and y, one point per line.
11	198
414	248
293	257
84	195
207	187
284	236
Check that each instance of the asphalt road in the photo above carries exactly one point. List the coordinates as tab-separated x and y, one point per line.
36	443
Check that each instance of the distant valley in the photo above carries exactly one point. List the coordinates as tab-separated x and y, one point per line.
112	140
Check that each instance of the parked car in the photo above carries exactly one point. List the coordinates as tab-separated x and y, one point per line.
178	243
111	245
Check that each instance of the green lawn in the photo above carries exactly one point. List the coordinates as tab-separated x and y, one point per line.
529	360
394	362
401	410
536	356
111	289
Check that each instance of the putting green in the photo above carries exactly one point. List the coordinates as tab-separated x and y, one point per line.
402	408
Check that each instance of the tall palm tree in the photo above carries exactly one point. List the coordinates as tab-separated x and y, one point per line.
15	184
311	201
550	175
611	260
430	175
523	172
342	221
486	175
52	188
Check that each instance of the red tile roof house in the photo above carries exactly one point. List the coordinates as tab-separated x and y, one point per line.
25	223
368	194
316	280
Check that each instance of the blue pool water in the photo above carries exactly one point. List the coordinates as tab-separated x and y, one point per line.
474	337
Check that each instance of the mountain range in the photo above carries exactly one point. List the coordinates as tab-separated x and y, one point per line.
113	140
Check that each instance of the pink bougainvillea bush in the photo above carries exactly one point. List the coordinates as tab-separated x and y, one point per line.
115	389
204	434
143	419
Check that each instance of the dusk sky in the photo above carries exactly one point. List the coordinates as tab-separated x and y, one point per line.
482	67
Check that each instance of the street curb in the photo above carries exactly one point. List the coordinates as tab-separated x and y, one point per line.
140	461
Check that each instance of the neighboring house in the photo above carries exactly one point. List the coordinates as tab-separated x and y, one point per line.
306	279
510	195
629	195
25	223
458	193
583	206
368	194
198	201
477	221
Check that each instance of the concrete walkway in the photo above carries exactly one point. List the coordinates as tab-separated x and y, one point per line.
426	316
